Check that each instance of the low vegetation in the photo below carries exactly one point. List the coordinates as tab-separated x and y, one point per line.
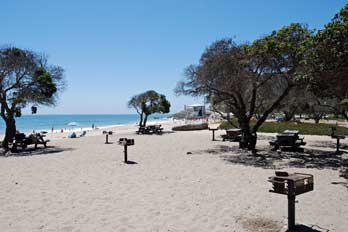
191	127
304	128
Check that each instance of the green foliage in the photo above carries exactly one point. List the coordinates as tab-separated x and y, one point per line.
328	58
25	78
18	112
147	103
45	83
304	128
150	102
33	110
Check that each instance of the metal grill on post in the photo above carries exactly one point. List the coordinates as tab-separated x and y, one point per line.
107	133
291	185
125	143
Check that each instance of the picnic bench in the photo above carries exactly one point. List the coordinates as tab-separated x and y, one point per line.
21	140
152	129
232	135
288	139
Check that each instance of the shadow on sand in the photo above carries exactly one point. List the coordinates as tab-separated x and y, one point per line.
305	228
272	159
160	134
268	159
131	162
38	151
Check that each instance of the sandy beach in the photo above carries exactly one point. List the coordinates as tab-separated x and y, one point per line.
176	183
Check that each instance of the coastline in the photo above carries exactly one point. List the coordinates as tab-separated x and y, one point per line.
119	128
68	129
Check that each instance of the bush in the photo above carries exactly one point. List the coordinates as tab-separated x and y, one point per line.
191	127
304	128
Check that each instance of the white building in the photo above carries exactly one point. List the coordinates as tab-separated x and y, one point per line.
195	111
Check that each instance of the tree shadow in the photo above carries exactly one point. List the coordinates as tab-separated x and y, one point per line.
268	159
160	134
168	132
218	150
38	151
327	144
272	159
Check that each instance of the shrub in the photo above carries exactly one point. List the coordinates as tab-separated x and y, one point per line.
191	127
304	128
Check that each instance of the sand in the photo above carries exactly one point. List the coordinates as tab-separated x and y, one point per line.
83	185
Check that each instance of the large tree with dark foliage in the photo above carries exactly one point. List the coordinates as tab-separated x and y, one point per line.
249	79
327	61
148	103
25	78
303	101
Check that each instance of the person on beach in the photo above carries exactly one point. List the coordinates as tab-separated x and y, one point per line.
93	126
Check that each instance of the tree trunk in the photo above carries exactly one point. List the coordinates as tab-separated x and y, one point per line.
10	131
317	118
289	115
249	139
141	119
345	115
145	120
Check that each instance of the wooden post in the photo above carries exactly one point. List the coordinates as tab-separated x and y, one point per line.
125	153
107	138
338	145
213	131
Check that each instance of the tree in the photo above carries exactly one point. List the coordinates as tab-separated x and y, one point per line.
327	61
249	79
302	101
148	103
25	78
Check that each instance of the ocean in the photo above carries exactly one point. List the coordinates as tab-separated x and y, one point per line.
28	123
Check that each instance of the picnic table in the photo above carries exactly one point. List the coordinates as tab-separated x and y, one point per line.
151	129
21	140
289	139
232	135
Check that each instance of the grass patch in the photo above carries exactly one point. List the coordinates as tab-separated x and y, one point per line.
304	128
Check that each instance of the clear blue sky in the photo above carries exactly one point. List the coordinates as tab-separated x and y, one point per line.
112	50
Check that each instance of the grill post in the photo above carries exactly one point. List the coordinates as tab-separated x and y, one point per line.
291	205
291	185
125	153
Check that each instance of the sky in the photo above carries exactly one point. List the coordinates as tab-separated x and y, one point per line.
112	50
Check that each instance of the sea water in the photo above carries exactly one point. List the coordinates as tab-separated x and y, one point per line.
28	123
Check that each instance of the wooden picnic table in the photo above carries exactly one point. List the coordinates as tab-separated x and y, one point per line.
288	138
295	132
150	129
234	134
